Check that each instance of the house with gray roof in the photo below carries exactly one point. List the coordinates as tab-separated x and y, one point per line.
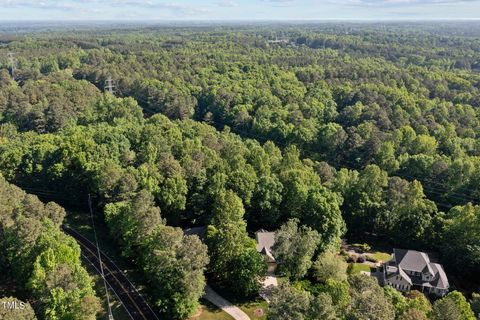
265	242
410	269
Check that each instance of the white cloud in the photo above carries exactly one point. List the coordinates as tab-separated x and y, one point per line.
280	3
80	5
227	3
398	3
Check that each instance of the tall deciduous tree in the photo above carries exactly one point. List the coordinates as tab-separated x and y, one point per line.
453	306
230	247
461	238
294	248
288	303
369	300
174	264
322	213
330	266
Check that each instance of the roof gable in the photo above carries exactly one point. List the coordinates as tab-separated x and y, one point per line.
265	240
441	281
411	260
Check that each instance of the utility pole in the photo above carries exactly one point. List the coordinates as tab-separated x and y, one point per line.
109	85
110	314
13	63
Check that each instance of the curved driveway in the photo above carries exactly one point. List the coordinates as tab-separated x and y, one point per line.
224	304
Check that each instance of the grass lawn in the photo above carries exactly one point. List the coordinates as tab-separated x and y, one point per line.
255	310
380	256
357	267
210	312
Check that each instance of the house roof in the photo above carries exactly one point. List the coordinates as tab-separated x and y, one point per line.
269	255
441	281
428	268
411	260
265	239
405	276
394	271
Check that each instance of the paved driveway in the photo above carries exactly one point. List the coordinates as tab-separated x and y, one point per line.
270	281
225	305
267	284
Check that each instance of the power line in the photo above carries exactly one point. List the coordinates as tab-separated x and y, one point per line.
13	64
110	314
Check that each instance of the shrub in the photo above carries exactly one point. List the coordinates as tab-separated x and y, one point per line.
352	258
362	247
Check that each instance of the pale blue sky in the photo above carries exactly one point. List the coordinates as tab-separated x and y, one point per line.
238	9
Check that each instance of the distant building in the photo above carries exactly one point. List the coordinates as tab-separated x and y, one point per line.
278	41
410	269
265	242
281	42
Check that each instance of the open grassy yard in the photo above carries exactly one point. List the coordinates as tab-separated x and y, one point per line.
357	267
255	310
208	311
380	256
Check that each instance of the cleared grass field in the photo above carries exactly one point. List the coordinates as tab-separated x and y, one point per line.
357	267
380	256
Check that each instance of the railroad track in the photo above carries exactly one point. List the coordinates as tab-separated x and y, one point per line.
133	302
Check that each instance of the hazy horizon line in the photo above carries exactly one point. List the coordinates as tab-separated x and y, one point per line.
147	21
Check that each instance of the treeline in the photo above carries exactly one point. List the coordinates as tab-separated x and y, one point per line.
42	259
335	109
46	104
360	297
173	264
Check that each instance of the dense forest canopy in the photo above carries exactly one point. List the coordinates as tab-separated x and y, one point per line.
323	131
